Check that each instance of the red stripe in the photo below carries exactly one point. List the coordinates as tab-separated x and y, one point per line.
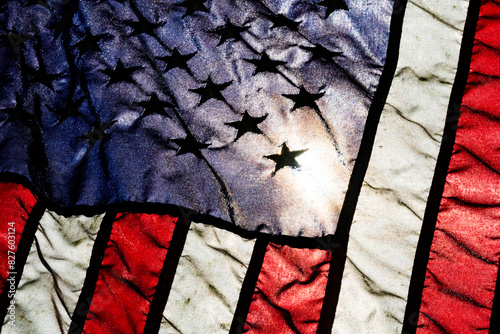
16	203
289	292
129	273
463	264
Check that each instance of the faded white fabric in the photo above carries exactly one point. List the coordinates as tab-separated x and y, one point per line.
207	282
46	298
391	206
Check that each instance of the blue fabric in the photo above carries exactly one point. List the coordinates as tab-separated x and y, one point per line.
89	141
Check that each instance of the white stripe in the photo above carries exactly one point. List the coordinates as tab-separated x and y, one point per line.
389	213
207	283
45	302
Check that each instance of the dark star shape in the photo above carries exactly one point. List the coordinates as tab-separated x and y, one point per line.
211	90
120	73
319	52
189	145
283	21
154	106
42	76
229	31
304	99
98	133
176	60
332	5
143	26
193	6
89	43
70	109
247	124
265	64
17	114
285	158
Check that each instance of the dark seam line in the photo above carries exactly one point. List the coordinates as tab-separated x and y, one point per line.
85	300
170	209
434	200
162	291
248	287
339	254
495	309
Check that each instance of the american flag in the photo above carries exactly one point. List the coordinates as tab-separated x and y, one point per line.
249	166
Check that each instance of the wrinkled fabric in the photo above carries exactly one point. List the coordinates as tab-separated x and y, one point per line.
16	203
53	275
462	271
129	273
289	292
207	282
389	213
82	135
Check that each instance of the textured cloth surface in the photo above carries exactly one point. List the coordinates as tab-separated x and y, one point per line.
16	203
53	275
209	83
391	205
129	273
462	272
249	111
207	282
289	291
